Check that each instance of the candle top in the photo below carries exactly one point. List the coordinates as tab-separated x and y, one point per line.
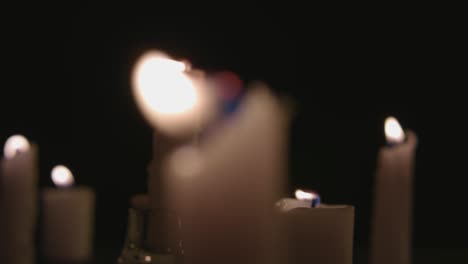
15	144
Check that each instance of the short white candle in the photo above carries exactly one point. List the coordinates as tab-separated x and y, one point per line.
68	219
317	232
392	215
18	201
320	235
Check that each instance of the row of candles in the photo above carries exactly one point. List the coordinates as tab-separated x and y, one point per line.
242	161
67	210
248	155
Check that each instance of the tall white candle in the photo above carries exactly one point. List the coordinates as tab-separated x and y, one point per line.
391	236
226	188
176	102
68	219
18	201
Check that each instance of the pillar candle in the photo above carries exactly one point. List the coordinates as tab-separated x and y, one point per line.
159	237
18	199
68	219
319	235
226	187
392	213
175	100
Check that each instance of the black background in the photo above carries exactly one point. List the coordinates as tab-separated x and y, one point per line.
66	85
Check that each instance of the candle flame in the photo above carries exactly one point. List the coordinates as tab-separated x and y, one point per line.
14	145
393	131
62	176
166	93
301	195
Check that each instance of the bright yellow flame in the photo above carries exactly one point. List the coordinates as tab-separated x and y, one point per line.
62	176
166	94
186	161
15	144
393	131
301	195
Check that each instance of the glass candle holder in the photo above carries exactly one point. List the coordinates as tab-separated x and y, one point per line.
141	245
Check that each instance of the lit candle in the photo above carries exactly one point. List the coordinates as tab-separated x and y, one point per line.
67	219
176	101
172	96
392	215
303	200
319	234
18	197
226	187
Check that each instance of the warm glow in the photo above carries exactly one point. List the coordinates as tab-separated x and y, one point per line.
62	176
301	195
167	94
186	161
163	84
15	144
393	131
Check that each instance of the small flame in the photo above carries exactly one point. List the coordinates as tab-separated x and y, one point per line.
301	195
62	176
15	144
166	93
393	131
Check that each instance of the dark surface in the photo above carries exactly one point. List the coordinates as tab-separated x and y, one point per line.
65	85
420	256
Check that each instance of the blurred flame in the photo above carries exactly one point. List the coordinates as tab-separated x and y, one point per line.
62	176
301	195
166	93
393	131
15	144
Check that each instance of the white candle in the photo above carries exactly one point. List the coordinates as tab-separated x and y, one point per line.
18	201
392	215
320	235
175	100
68	219
226	187
317	232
